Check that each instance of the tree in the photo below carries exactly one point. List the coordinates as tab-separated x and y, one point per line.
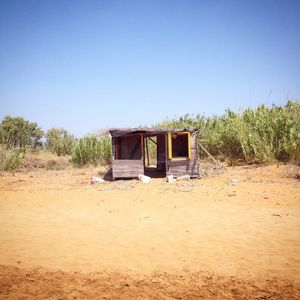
18	132
59	141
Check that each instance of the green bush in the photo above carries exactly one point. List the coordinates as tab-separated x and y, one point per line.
92	150
16	132
59	141
11	159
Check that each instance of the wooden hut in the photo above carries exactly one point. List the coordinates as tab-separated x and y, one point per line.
176	152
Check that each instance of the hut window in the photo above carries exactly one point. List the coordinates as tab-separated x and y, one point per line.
179	145
128	147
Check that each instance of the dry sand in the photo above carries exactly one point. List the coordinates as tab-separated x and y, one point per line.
234	235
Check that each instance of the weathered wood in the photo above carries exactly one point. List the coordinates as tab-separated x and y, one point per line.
177	167
147	152
214	160
127	168
161	151
133	162
149	137
128	147
185	166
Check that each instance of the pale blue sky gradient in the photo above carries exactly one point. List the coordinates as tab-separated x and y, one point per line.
86	65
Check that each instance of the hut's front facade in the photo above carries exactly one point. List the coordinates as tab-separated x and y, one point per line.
176	152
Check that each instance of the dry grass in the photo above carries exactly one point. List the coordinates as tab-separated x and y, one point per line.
43	159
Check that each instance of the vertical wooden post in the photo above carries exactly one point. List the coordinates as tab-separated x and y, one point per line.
166	152
142	149
170	145
147	152
189	144
113	148
116	148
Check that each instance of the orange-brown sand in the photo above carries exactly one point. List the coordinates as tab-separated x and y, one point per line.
229	236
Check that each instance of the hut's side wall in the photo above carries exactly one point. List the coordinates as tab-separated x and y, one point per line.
127	168
193	168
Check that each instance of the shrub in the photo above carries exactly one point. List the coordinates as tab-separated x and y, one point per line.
92	150
11	159
59	141
18	132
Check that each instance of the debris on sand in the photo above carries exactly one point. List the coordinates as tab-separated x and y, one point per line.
170	178
144	178
232	194
184	187
117	186
276	215
95	179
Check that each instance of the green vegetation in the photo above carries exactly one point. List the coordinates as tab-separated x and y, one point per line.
19	133
92	150
263	134
16	136
10	159
260	135
59	141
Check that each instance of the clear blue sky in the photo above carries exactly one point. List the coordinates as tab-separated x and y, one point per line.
86	65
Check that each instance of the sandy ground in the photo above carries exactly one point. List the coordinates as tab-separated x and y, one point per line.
234	235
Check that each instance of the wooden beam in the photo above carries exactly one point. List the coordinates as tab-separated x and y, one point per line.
143	149
152	140
189	145
214	160
147	152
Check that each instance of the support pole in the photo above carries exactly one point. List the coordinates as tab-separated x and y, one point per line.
147	152
215	161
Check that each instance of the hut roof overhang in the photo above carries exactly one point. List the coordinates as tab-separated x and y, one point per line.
147	131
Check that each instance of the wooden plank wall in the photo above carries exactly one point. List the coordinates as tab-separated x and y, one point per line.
185	166
127	168
194	162
178	167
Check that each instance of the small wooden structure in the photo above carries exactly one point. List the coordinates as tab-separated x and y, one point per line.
176	152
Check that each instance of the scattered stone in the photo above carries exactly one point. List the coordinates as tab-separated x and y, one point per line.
95	179
144	178
170	178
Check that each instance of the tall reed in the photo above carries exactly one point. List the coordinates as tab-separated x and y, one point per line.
92	150
262	134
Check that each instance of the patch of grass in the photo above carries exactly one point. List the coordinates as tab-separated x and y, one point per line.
43	159
57	164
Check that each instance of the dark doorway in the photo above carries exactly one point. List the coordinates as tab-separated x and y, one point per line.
155	155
